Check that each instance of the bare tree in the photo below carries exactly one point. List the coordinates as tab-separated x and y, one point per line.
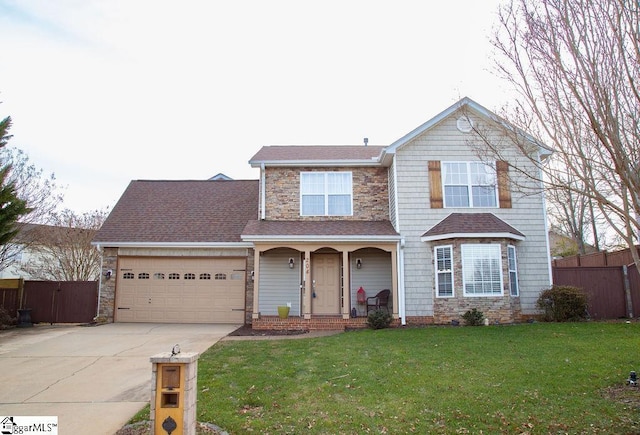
63	250
575	66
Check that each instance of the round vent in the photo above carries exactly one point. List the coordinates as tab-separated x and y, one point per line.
464	124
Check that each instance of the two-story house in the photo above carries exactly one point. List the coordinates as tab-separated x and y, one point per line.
440	225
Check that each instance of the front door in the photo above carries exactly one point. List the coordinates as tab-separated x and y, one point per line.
325	273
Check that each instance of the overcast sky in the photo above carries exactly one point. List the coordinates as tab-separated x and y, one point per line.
102	92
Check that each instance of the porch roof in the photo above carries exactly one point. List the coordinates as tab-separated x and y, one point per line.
263	230
468	225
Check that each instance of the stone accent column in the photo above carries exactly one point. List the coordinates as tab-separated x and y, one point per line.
174	390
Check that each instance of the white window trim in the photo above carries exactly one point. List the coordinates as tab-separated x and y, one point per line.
512	248
464	283
469	184
435	264
326	195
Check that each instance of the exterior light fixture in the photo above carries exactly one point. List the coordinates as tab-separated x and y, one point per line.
291	263
358	263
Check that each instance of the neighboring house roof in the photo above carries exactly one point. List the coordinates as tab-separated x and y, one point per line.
322	155
469	225
220	176
38	234
189	212
323	230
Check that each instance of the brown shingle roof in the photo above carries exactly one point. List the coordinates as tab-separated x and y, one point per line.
316	153
256	229
191	211
471	224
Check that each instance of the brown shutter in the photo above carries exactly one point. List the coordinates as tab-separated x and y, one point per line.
504	191
435	184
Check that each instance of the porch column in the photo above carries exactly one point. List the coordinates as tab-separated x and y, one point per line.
256	284
308	290
394	283
346	286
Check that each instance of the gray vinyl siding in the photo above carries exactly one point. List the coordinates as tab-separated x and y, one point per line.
375	274
445	143
279	284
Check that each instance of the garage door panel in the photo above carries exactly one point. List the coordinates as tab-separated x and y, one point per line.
156	290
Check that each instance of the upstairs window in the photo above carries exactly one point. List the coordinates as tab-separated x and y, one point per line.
326	194
469	184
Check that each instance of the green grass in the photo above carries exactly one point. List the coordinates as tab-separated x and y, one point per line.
535	378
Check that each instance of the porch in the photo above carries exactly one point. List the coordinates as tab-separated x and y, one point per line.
320	282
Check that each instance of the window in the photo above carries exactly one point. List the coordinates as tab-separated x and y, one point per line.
143	275
158	275
220	276
444	271
128	275
189	276
481	270
174	276
325	194
205	276
513	271
469	184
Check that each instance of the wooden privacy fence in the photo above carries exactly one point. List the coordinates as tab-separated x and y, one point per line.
613	291
51	301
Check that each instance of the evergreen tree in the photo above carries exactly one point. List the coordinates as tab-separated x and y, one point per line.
12	208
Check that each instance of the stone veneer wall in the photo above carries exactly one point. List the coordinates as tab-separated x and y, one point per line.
500	309
370	194
107	297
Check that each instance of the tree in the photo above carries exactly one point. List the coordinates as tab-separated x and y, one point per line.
64	251
37	192
575	67
12	208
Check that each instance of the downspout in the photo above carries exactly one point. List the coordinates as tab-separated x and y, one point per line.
262	192
401	295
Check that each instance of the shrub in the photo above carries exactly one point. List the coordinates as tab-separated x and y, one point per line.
5	319
473	317
378	319
563	303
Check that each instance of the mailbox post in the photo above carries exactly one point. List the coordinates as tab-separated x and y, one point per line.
174	392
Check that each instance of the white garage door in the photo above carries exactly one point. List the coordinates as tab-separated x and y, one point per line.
180	290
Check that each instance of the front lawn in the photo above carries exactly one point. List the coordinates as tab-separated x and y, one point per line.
533	378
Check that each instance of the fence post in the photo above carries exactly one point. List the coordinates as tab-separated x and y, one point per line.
627	291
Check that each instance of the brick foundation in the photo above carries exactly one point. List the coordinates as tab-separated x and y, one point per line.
327	323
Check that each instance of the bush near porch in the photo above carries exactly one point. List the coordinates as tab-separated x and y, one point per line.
531	378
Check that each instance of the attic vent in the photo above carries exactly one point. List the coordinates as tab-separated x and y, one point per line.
366	141
464	124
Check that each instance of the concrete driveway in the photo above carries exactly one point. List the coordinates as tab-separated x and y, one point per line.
94	378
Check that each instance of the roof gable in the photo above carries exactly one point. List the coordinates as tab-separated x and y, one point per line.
467	104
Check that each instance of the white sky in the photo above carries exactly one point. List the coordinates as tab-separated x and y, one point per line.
102	92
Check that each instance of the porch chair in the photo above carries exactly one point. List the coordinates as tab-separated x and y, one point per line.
380	300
